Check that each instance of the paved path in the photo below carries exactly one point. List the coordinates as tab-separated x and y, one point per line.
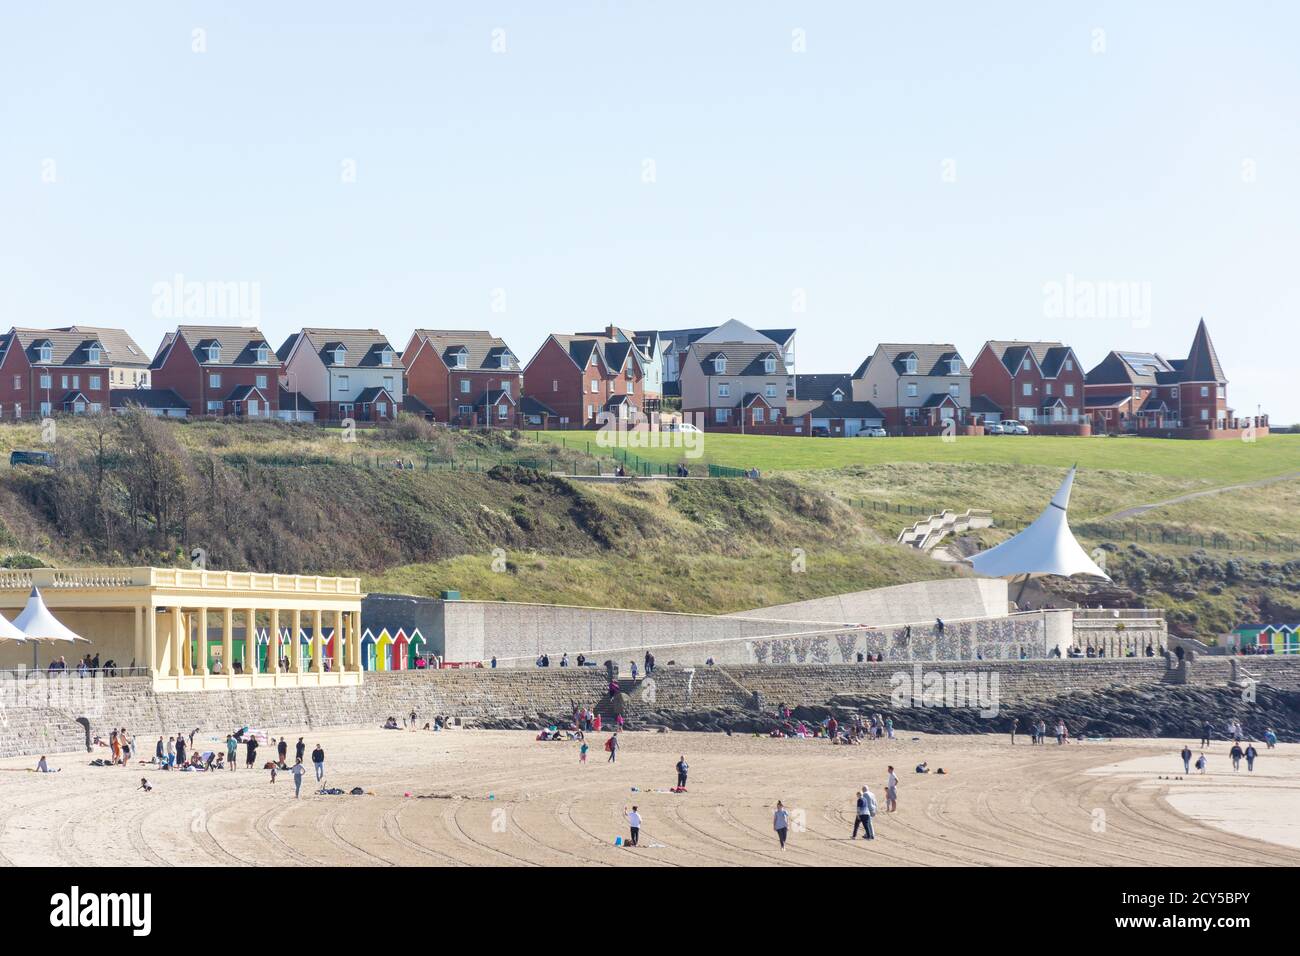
1143	509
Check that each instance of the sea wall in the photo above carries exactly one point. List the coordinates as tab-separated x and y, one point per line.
38	716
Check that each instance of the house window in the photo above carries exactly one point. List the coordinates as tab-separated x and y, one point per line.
1069	390
263	354
724	390
720	415
65	381
214	353
96	381
954	366
93	354
505	359
1221	392
1205	391
1048	387
954	390
47	353
910	365
503	412
1027	388
340	355
18	381
382	408
595	386
462	359
631	387
45	409
1205	414
911	390
214	408
252	407
769	365
1069	365
346	409
589	410
720	365
386	356
214	380
911	414
1026	365
388	382
770	391
345	385
261	381
47	380
555	385
758	415
464	386
505	387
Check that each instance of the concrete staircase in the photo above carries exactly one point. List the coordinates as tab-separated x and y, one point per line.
928	532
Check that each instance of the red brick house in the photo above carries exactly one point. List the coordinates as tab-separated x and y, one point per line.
1145	392
71	371
220	370
1038	383
460	377
579	377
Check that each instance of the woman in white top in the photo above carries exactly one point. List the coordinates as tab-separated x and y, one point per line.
781	822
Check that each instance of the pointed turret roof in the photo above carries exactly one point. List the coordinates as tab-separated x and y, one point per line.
1202	363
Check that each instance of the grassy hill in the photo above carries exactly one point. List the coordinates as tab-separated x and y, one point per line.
474	513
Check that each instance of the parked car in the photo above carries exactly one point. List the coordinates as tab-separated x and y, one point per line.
31	458
678	427
994	428
873	432
1012	427
821	431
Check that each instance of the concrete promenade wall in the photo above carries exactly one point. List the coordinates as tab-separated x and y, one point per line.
921	601
37	725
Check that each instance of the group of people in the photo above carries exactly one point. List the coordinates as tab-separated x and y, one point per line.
1038	731
88	666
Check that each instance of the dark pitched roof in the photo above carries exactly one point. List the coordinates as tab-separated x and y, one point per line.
122	349
862	369
781	337
845	410
820	387
742	359
493	395
1202	363
295	401
984	405
159	398
1049	356
66	348
483	349
362	348
241	392
939	398
1106	401
409	404
931	358
1131	368
238	344
373	394
613	353
531	406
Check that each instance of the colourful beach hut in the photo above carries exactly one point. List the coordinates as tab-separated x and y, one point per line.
384	651
416	647
367	650
401	644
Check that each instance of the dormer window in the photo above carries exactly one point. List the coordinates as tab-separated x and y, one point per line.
505	359
93	354
462	359
340	355
837	396
214	352
720	365
769	364
954	366
263	354
909	364
386	356
47	352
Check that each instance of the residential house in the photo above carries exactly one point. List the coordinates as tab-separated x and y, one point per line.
824	405
458	375
219	370
1038	383
678	342
1144	391
344	373
736	378
582	378
128	363
650	357
918	388
45	372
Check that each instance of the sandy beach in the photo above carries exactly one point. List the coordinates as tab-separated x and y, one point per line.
502	798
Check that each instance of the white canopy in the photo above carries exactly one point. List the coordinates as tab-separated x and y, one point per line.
1046	547
38	624
8	632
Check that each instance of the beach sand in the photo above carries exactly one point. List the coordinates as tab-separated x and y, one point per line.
502	798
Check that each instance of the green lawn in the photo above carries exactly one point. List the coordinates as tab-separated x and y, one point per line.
1219	462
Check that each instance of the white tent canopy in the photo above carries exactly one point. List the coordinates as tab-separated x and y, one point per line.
8	632
1045	547
38	624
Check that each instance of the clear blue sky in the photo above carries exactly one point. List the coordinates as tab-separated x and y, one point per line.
775	170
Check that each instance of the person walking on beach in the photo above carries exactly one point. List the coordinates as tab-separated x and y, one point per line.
298	771
171	752
232	750
282	749
318	761
1236	754
612	746
682	768
1060	731
891	791
861	818
634	825
1205	733
180	750
1187	758
1015	725
1200	763
1251	754
299	749
582	753
1270	738
781	823
250	751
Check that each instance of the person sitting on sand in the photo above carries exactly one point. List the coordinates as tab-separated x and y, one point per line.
922	767
43	767
144	785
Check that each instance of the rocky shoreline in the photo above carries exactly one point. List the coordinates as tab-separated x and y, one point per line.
1158	711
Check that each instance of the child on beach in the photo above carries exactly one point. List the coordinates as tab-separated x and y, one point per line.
781	823
582	753
634	825
144	785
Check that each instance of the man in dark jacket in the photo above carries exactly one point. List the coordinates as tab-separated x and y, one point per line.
318	759
682	768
